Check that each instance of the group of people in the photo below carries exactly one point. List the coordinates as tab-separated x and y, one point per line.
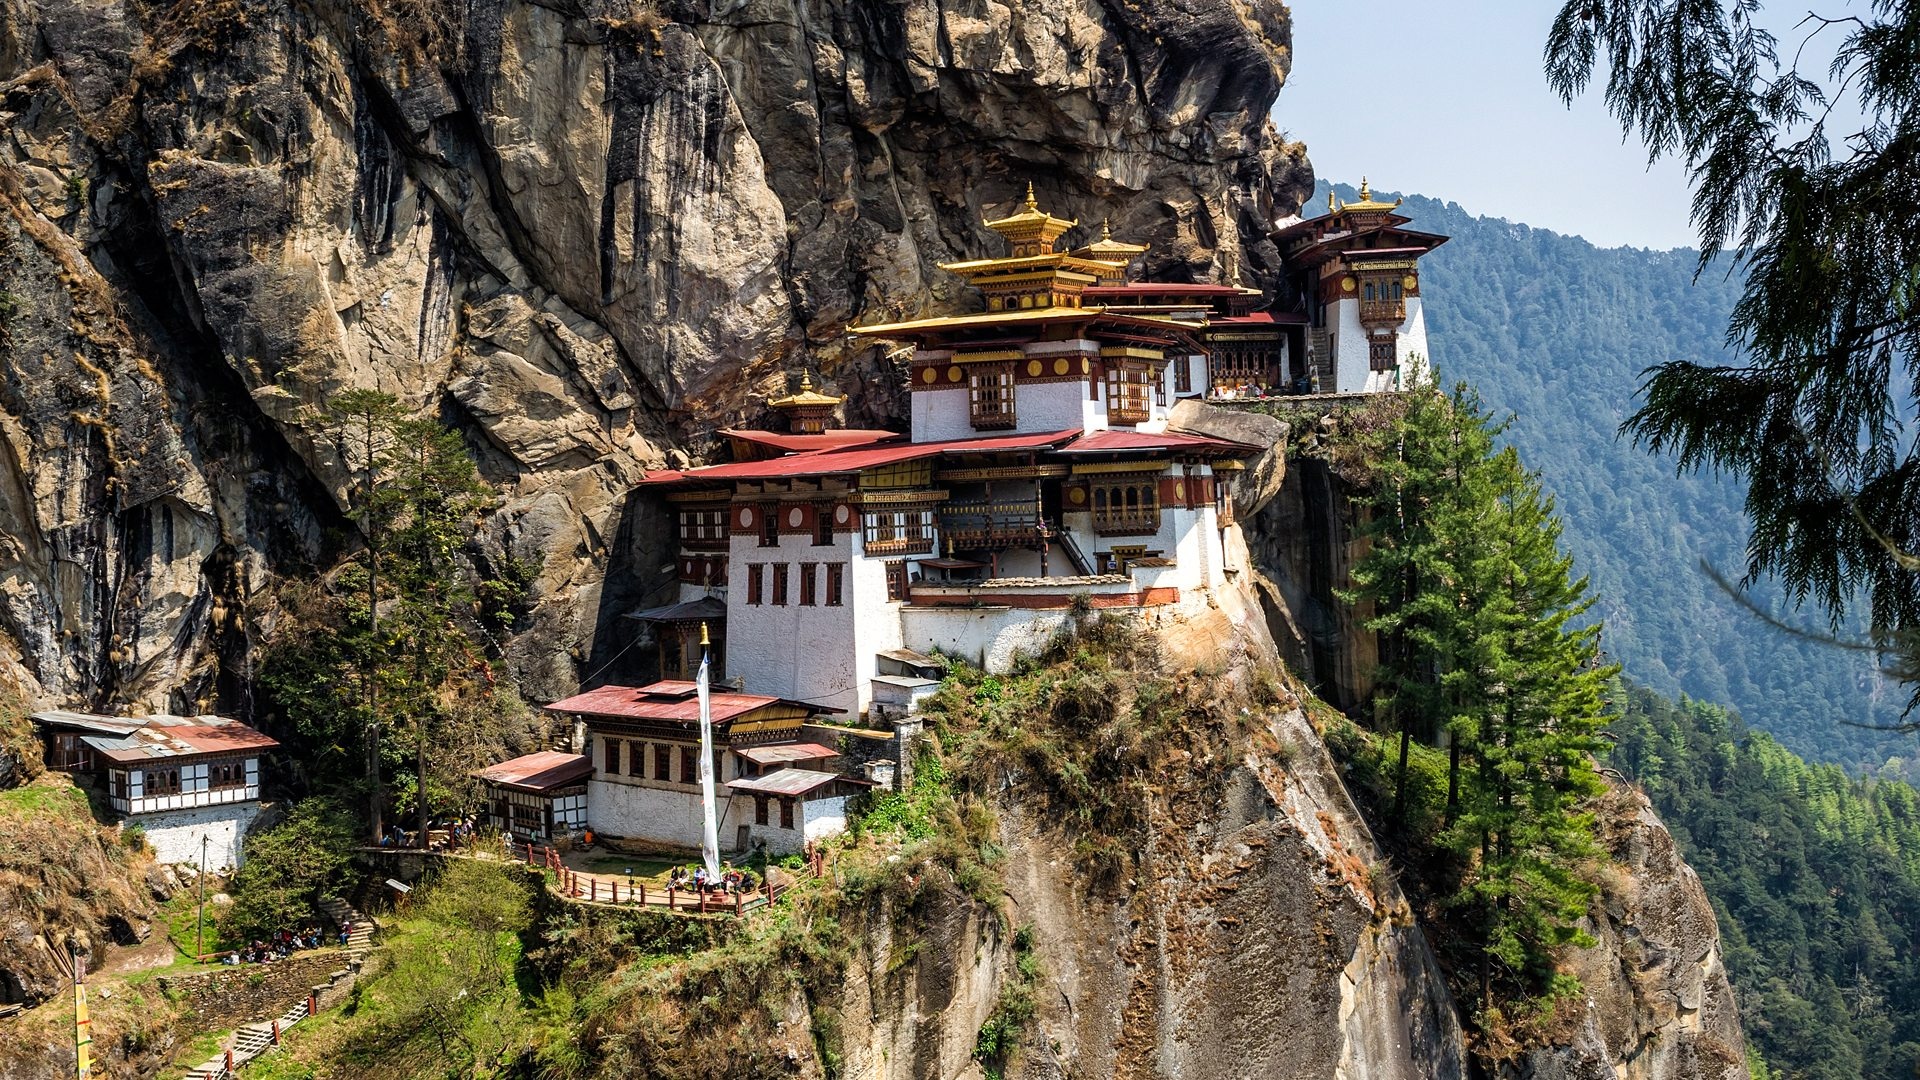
441	835
728	881
279	946
1302	384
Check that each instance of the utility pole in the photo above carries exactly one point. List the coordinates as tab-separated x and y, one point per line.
200	920
373	636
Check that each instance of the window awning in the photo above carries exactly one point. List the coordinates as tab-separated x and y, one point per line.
790	782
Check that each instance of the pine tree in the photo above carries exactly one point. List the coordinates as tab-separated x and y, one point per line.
1477	607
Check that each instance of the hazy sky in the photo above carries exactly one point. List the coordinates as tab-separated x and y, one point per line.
1466	115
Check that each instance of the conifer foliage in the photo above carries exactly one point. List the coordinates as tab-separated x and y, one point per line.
1481	651
388	659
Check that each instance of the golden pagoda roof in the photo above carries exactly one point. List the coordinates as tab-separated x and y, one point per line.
1367	201
807	396
1107	249
1031	223
1024	315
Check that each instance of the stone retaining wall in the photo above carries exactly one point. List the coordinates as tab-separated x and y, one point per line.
248	992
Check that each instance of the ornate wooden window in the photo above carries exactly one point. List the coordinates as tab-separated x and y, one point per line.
163	782
1127	506
822	524
689	765
906	531
227	774
809	575
70	754
769	524
1182	375
612	763
703	529
1129	394
786	811
990	395
753	582
1380	354
780	584
897	584
836	584
662	761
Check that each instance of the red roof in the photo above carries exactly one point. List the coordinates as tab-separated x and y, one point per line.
674	699
826	440
1149	288
854	459
225	737
539	772
1118	441
1260	318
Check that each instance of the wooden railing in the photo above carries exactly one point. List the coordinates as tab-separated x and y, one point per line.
623	891
982	523
1383	311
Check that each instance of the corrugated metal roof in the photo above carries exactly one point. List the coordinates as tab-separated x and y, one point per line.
770	755
785	782
837	439
1118	441
538	772
854	459
130	740
112	725
707	607
669	699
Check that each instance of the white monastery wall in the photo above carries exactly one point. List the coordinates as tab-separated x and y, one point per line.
988	636
1350	371
633	812
1046	407
175	834
824	817
795	651
941	414
876	628
1415	361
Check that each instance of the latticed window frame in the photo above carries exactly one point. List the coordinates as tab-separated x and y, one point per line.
1130	393
990	396
1138	500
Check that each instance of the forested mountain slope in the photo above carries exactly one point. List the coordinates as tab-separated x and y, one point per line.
1557	332
1815	877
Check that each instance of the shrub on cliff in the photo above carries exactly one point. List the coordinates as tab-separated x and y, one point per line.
288	868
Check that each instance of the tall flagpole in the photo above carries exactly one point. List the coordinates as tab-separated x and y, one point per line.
710	837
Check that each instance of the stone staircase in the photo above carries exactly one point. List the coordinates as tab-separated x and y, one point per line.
360	938
249	1042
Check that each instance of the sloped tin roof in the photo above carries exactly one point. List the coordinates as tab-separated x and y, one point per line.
539	772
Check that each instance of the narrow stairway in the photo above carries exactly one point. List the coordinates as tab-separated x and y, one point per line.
360	938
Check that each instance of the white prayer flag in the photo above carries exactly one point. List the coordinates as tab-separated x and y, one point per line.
710	837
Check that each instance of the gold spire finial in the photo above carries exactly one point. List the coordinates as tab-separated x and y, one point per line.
1106	229
806	381
703	634
1366	193
1032	203
1332	205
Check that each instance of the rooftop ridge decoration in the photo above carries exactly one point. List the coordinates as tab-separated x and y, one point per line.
1366	204
809	412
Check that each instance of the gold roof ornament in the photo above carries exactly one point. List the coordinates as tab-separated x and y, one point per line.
1366	203
1031	231
808	412
807	396
1107	249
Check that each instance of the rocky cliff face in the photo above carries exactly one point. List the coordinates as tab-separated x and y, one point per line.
587	232
1658	1004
